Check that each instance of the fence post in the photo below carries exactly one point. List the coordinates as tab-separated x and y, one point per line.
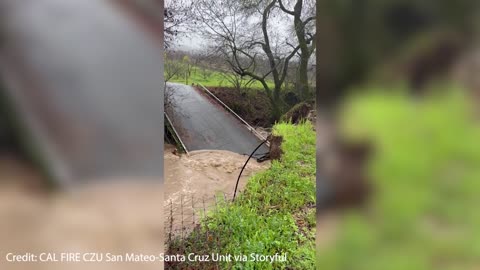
193	212
171	222
181	213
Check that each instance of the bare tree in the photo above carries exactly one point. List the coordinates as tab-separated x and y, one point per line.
244	34
173	68
303	13
168	98
188	66
237	81
205	72
176	19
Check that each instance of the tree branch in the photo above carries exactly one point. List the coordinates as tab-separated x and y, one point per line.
282	7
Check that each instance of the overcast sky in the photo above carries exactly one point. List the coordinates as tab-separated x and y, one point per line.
195	41
191	41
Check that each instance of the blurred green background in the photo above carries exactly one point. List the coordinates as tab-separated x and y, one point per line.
404	77
426	174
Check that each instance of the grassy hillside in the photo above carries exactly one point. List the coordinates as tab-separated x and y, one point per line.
274	214
211	78
426	175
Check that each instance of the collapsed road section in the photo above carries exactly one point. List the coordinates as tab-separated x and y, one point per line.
203	124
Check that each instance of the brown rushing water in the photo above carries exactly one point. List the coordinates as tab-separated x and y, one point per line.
116	218
200	176
205	173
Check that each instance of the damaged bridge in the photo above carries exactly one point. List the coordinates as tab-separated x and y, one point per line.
202	122
84	80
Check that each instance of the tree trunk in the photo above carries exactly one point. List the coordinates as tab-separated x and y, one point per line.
276	102
302	78
305	52
276	112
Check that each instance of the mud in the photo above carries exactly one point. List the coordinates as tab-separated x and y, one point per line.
195	182
117	218
252	105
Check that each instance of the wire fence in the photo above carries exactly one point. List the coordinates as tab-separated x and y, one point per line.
184	234
186	212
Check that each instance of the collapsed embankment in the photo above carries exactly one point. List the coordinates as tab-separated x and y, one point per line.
274	214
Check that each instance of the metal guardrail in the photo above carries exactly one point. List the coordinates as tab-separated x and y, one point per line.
249	127
176	133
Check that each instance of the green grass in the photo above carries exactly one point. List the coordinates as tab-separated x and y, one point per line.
275	213
426	175
213	79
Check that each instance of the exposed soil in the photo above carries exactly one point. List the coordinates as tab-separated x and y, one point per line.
300	112
252	105
276	151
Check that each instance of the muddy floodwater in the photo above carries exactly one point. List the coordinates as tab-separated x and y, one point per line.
116	218
197	181
112	218
205	173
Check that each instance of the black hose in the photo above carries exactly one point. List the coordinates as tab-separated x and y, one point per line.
238	179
